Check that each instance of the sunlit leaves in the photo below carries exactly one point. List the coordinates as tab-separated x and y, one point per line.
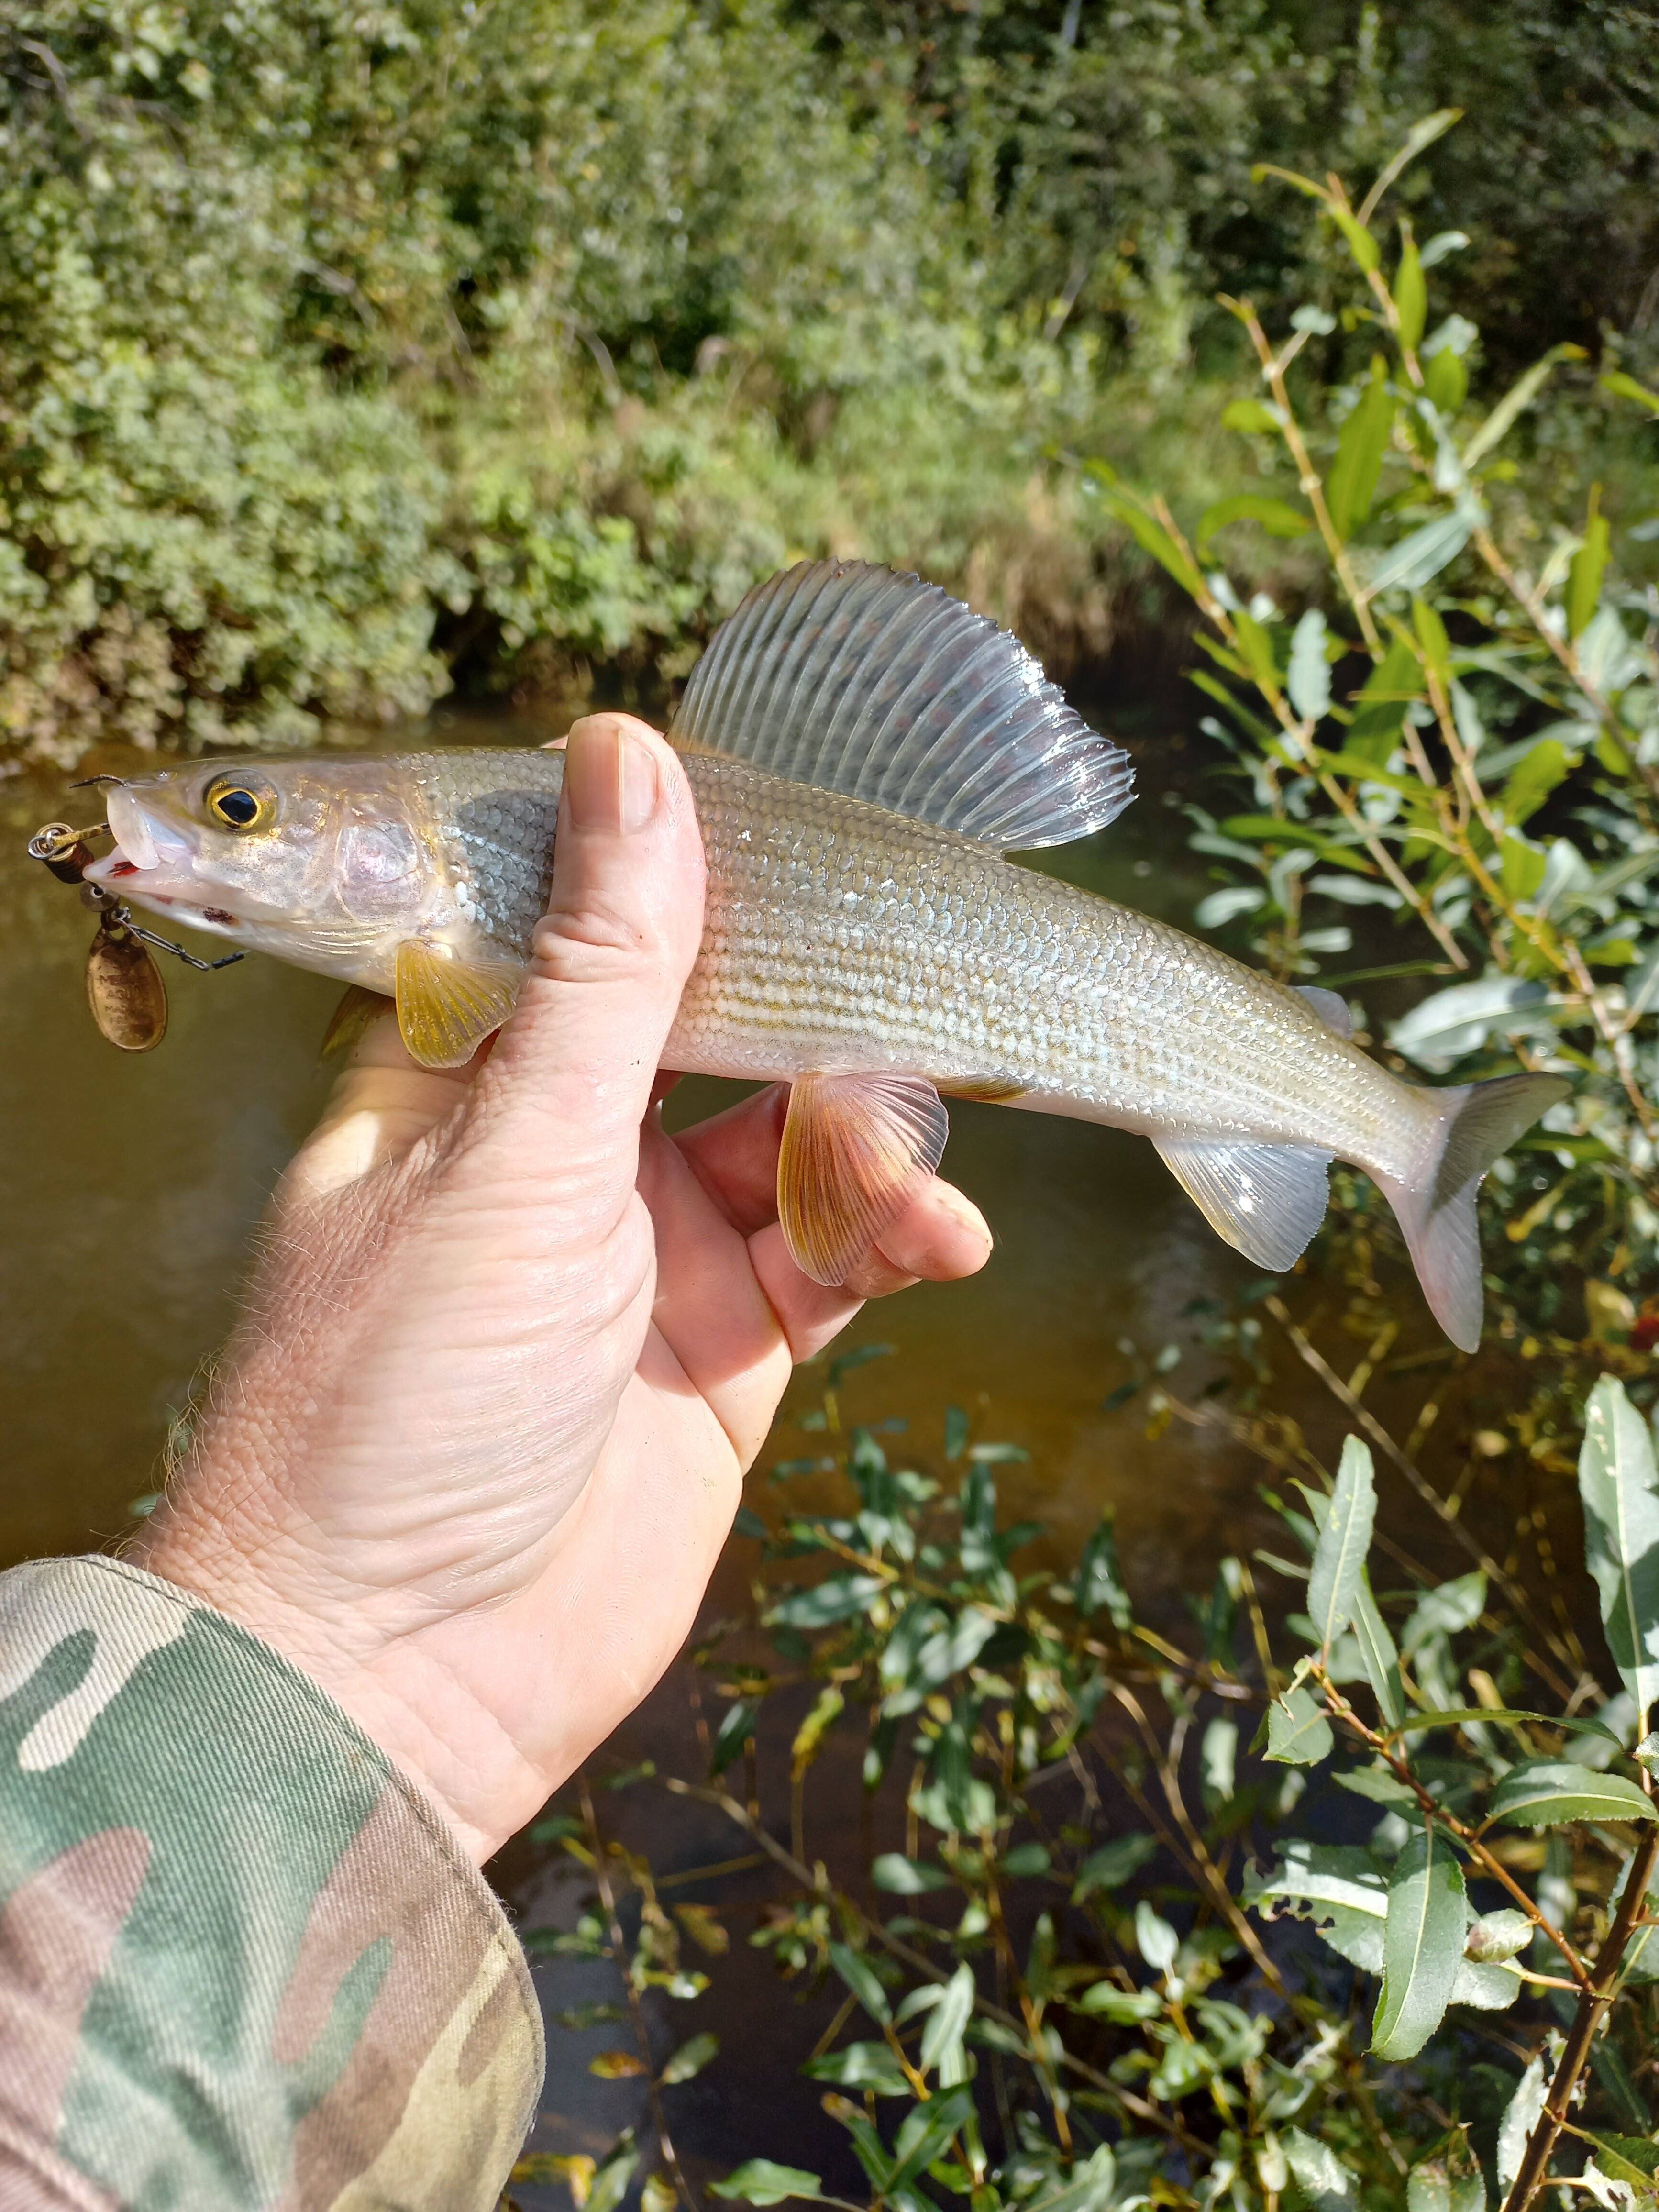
1308	679
1299	1733
1278	518
1542	1793
1519	396
1589	566
685	2063
761	2181
1350	485
1618	1484
1411	295
1344	1537
1423	1939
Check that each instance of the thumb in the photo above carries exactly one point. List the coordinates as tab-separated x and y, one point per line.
570	1078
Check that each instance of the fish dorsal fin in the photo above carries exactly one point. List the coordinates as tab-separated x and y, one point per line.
855	1150
1266	1199
448	1002
880	686
1331	1007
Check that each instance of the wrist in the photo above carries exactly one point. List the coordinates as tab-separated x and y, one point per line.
395	1688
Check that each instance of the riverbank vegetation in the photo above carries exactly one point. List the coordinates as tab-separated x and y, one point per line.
346	355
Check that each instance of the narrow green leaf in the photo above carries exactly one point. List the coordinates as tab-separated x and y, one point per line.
1619	1486
925	2133
1446	380
737	1726
1250	414
1626	387
1380	708
861	1977
1309	678
1545	766
761	2181
860	2066
1519	396
1360	447
1418	559
1152	537
1411	293
1363	246
1543	1793
1299	1733
1091	2187
689	2061
1257	648
1276	516
1422	1946
609	2185
1378	1655
1432	636
1627	2157
903	1877
1113	1864
1328	2184
942	2036
1345	1538
1584	576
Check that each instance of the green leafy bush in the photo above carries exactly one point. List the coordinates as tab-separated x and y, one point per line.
625	303
1120	1959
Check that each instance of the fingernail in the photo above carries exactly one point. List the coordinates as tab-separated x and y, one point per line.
610	780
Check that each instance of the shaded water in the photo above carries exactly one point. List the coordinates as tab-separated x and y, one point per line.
129	1186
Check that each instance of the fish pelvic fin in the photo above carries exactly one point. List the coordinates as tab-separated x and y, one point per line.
449	1002
856	1149
1474	1123
1265	1200
352	1019
877	685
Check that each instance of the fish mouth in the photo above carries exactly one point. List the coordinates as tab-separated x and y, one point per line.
153	863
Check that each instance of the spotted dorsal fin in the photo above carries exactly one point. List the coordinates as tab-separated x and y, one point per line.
882	687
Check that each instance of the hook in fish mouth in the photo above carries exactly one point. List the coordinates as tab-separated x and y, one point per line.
89	782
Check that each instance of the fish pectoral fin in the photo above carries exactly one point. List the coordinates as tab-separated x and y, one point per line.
1266	1199
855	1150
352	1019
448	1002
1331	1007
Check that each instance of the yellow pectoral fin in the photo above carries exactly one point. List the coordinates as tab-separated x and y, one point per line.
449	1002
356	1013
855	1150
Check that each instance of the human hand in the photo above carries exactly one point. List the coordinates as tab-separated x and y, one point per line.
474	1448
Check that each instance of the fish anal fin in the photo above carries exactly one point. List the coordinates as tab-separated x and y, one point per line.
855	1150
358	1011
859	680
1265	1199
448	1002
1331	1007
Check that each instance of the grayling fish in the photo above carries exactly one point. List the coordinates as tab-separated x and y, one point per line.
863	750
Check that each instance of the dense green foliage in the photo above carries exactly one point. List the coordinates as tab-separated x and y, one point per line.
1090	1980
343	350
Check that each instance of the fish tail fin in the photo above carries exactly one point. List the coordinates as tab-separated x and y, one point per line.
1472	1124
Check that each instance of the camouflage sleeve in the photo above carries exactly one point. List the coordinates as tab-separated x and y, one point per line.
242	1961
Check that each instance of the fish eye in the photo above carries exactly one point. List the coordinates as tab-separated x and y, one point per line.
234	804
